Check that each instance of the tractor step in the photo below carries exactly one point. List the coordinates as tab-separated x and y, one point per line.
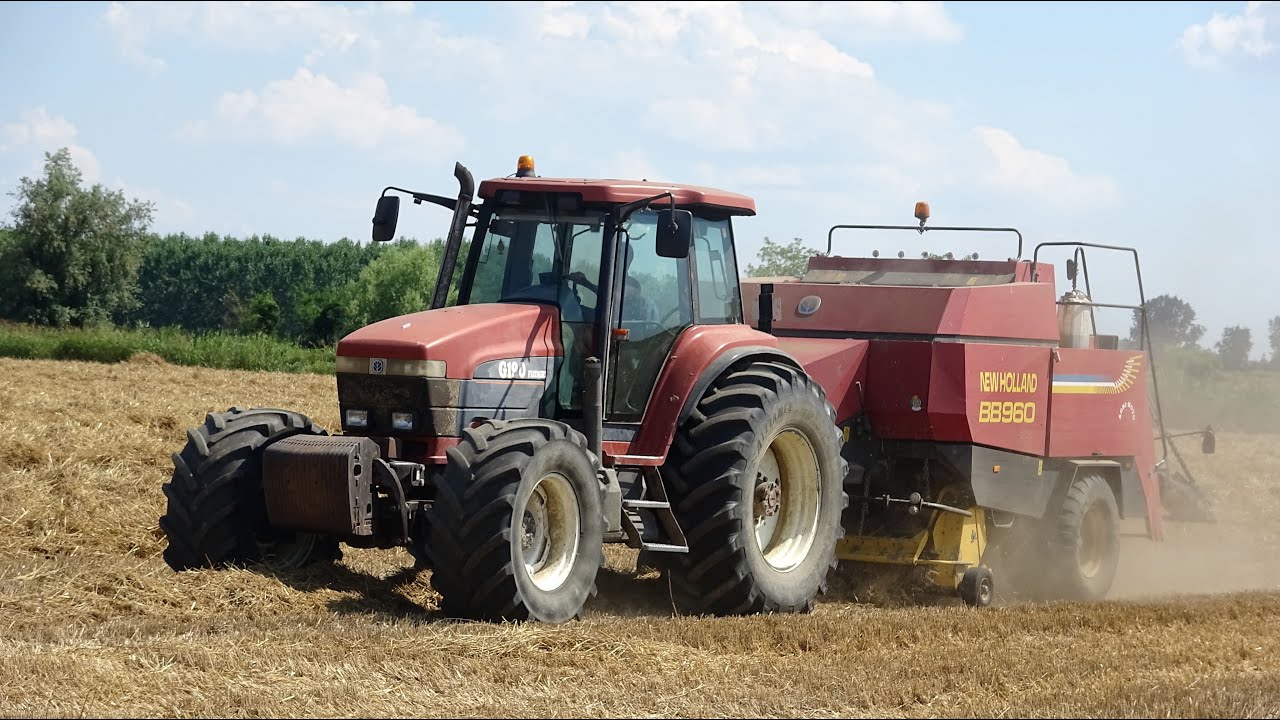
633	523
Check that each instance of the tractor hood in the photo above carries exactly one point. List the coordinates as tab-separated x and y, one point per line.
462	337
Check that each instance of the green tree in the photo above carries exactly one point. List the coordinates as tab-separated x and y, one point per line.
776	260
1172	322
72	255
326	315
201	283
1234	347
400	281
262	316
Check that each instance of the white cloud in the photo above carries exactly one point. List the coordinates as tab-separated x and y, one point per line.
1022	170
876	20
1225	36
170	211
310	106
38	133
558	19
44	133
732	78
807	49
321	28
132	25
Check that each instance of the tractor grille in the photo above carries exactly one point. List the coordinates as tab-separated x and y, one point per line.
433	402
401	393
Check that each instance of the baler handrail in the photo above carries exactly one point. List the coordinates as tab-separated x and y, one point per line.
1144	339
923	229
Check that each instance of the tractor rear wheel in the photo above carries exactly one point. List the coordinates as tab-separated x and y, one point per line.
516	530
216	513
756	480
1084	540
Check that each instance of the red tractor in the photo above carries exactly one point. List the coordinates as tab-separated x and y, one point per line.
604	376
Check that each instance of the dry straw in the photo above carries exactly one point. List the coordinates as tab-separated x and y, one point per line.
92	622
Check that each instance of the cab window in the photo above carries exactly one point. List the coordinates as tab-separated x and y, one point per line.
716	272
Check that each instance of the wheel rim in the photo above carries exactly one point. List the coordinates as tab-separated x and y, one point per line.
1095	540
984	592
785	503
549	531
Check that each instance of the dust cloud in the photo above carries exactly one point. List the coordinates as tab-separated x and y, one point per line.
1239	551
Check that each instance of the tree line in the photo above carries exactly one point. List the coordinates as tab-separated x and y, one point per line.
77	256
82	256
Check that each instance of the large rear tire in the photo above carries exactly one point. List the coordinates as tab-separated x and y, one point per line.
516	526
216	514
756	479
1084	541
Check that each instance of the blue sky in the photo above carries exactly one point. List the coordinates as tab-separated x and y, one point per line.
1143	124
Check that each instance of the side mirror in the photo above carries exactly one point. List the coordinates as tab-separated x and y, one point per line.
384	218
675	233
1209	443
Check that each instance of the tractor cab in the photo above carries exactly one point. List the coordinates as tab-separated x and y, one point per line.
620	268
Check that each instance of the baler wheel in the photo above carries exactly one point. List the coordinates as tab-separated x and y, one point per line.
216	513
516	527
1084	543
756	480
977	588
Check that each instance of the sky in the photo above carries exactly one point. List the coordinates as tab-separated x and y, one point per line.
1149	125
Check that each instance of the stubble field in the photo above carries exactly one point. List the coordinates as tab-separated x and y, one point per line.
93	623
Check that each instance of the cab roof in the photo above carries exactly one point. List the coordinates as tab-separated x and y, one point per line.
622	191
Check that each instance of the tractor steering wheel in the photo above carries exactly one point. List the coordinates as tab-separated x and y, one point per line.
667	316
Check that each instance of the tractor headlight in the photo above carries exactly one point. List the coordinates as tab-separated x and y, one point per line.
402	421
357	418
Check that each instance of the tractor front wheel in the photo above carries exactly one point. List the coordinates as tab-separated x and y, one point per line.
516	526
756	480
216	513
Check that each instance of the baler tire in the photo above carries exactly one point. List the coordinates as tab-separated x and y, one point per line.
486	509
1084	541
977	589
713	478
216	515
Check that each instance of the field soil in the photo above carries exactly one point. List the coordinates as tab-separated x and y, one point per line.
93	623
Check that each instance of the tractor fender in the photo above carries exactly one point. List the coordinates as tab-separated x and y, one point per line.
701	354
723	363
